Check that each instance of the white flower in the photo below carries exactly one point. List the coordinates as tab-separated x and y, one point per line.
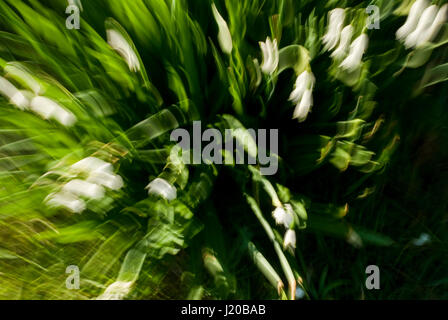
116	291
357	50
282	216
290	239
47	109
84	188
121	45
67	200
162	188
425	22
422	240
224	36
303	108
412	20
302	95
269	49
18	71
14	95
108	180
429	34
91	164
344	44
336	21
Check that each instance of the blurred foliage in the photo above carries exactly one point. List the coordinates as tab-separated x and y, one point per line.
365	174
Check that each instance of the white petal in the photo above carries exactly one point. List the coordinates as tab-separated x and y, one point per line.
269	49
43	107
162	188
21	73
289	239
336	19
67	200
303	108
117	290
224	36
111	181
84	188
14	95
91	164
429	34
64	117
422	240
119	44
344	44
279	215
357	50
411	22
424	23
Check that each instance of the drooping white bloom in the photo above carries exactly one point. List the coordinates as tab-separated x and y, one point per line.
429	34
282	216
67	200
20	72
48	108
108	180
91	164
14	95
302	95
269	49
422	240
289	239
83	188
344	44
412	20
162	188
224	36
303	108
122	46
357	50
336	19
425	22
116	291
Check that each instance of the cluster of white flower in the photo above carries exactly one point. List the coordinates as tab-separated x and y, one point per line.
269	49
99	175
29	100
302	95
284	215
423	24
351	52
162	188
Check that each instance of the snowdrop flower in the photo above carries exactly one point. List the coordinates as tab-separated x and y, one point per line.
269	49
425	22
412	20
336	21
121	45
290	239
108	180
302	95
91	164
47	109
282	216
67	200
422	240
117	290
84	188
224	37
344	44
162	188
20	72
429	34
15	96
357	50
